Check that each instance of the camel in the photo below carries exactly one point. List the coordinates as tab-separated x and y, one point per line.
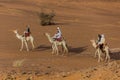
99	51
55	44
24	40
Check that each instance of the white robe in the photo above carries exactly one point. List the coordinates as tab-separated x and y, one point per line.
102	41
58	35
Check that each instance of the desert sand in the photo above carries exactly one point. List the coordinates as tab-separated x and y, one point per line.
80	21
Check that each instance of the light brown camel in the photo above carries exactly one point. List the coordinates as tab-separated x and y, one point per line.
56	43
99	51
24	40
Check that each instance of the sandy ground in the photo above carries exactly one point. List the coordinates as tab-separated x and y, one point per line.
80	22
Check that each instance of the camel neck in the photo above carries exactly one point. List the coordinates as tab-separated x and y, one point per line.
49	38
94	44
18	36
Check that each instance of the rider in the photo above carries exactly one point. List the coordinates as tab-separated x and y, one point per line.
58	35
101	41
27	32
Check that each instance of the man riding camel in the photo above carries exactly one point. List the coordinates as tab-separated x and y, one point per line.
101	41
27	32
58	35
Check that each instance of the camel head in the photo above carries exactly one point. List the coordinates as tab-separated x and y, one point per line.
15	31
49	37
47	34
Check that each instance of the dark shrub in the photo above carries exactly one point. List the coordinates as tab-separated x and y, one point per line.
46	18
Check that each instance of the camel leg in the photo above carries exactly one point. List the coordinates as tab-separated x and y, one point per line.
53	49
99	55
96	53
56	49
65	48
21	45
26	45
107	55
33	44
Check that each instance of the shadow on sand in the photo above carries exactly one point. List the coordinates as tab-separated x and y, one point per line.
57	24
77	50
115	55
43	48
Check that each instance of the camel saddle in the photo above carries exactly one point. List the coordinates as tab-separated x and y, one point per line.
58	39
102	46
27	34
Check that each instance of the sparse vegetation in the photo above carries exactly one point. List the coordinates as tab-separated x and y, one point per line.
46	18
18	63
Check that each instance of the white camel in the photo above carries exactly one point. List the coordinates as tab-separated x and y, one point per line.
99	51
24	40
56	43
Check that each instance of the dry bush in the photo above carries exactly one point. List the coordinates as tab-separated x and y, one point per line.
46	18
